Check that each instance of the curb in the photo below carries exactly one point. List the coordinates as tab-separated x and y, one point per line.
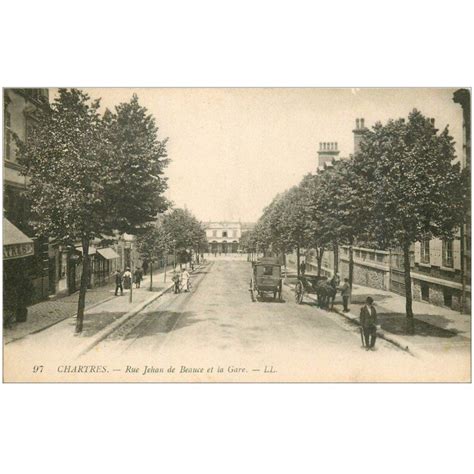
401	345
101	335
36	331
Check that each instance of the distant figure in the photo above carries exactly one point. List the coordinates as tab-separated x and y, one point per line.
127	279
303	268
145	267
185	280
118	282
368	322
345	293
138	277
176	282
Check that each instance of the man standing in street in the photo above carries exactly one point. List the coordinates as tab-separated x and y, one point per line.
138	277
303	267
345	293
368	322
176	279
118	282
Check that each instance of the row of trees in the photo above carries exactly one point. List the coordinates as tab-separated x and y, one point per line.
93	174
177	232
401	187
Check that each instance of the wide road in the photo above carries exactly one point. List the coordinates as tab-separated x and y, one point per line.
217	329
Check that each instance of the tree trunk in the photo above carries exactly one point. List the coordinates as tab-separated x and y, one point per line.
351	265
408	295
83	288
151	275
298	261
319	258
336	257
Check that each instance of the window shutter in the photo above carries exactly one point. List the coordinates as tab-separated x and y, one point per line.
457	254
417	252
435	252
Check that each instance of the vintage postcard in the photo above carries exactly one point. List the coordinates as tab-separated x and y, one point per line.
236	235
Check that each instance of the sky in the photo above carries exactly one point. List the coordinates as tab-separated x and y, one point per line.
233	150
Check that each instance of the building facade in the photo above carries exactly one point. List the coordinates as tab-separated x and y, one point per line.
223	237
20	116
47	269
442	273
440	269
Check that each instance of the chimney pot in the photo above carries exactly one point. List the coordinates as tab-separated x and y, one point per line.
361	123
357	123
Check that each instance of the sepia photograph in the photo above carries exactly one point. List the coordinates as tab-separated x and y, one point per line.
236	235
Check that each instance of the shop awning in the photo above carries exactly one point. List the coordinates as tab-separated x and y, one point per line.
15	243
92	250
108	253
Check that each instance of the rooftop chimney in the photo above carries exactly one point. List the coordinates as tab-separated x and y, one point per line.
358	134
327	152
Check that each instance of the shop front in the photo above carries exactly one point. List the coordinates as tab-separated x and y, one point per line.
18	252
106	262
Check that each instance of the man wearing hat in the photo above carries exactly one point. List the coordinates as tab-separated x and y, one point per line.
368	322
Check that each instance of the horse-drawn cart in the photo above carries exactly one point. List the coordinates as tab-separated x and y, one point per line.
314	285
266	278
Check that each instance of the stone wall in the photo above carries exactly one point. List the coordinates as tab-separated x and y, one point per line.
436	295
364	275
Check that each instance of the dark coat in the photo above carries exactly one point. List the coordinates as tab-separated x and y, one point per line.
138	276
368	319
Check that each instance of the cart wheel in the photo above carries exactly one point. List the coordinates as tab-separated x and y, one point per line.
299	292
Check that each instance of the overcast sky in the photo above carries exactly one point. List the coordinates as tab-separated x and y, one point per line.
232	150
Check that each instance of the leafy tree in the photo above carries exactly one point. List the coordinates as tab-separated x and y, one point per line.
184	232
319	233
87	174
344	198
135	166
152	244
294	222
415	190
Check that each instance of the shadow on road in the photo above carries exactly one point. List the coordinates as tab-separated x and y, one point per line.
163	322
396	323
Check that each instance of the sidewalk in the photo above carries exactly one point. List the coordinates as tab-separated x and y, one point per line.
437	329
48	313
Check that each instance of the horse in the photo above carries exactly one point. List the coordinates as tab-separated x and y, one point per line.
326	293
